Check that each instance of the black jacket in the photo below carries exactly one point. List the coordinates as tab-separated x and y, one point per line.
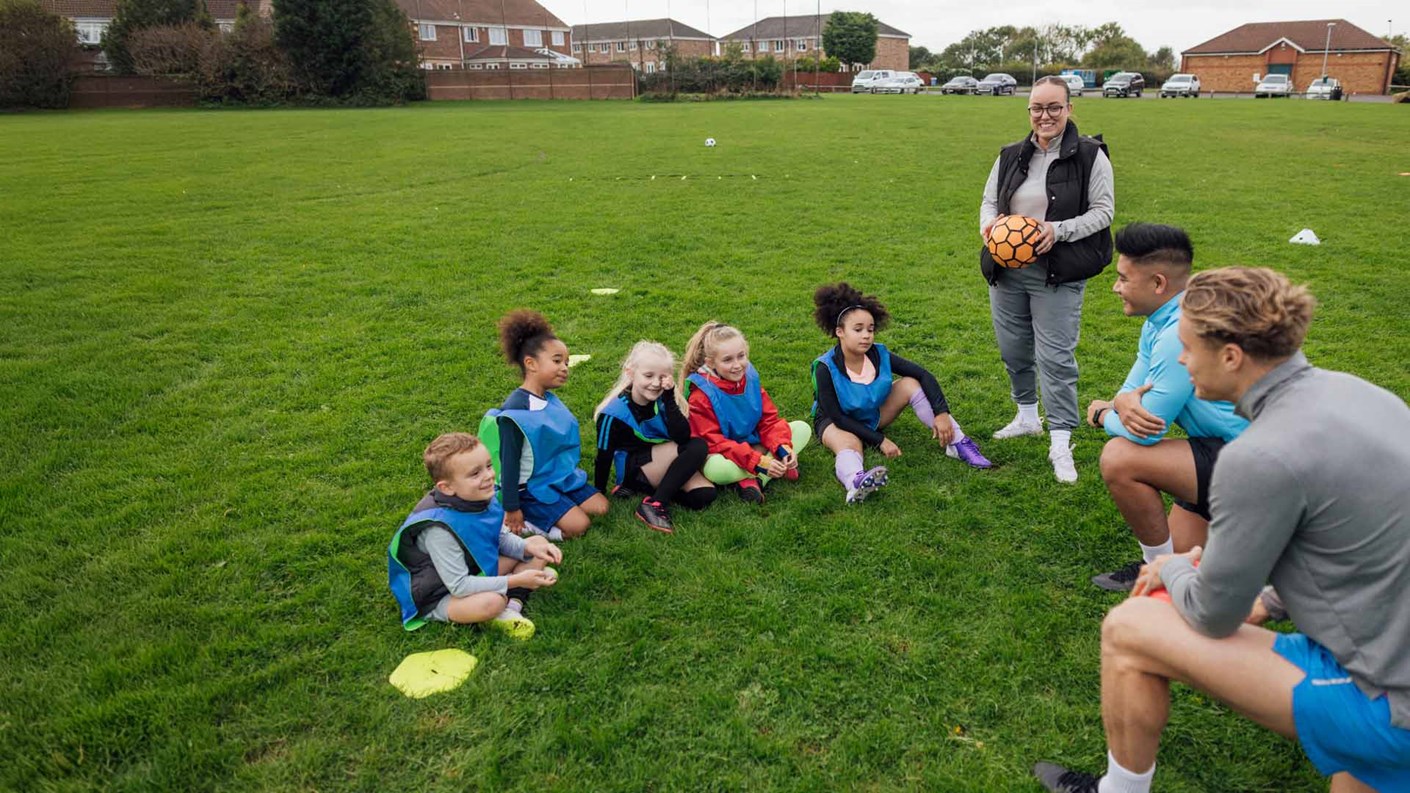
1068	177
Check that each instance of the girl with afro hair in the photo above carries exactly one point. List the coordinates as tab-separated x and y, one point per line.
857	392
533	438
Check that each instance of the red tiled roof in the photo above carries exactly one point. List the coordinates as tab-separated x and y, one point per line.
492	52
521	13
1309	34
637	29
790	27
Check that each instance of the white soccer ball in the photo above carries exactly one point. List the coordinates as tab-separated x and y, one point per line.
710	142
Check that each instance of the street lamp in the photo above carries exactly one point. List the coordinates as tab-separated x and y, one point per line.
1327	47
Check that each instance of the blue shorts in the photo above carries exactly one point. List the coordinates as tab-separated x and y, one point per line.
545	515
1339	728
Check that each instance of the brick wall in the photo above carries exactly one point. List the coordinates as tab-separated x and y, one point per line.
594	82
891	54
1359	72
446	49
92	91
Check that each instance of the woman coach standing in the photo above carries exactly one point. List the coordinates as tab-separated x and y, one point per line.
1064	180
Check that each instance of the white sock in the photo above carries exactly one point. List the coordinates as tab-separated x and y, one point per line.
959	433
1152	551
1028	413
1119	780
1061	439
515	605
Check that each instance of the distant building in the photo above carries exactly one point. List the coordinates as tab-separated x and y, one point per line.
91	19
788	38
488	34
643	42
1362	62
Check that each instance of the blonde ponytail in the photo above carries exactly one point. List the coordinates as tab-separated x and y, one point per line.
639	352
699	350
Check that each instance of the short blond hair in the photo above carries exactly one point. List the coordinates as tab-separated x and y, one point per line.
1255	308
437	455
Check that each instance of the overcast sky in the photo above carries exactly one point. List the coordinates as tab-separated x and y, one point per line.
1179	25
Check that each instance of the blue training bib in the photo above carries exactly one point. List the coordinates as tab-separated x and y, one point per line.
739	414
478	532
860	402
552	434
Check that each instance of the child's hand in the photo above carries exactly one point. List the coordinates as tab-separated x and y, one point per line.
538	547
890	449
514	521
531	579
773	468
944	429
790	460
668	383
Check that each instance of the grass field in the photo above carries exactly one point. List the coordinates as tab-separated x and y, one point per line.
228	335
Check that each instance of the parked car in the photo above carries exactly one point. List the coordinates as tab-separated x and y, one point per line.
997	84
862	83
1273	85
1324	88
961	85
902	83
1180	85
1124	84
1075	84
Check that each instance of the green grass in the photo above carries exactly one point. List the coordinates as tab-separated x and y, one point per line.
228	335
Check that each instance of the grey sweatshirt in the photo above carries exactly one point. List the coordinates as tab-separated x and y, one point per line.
449	560
1314	497
1031	198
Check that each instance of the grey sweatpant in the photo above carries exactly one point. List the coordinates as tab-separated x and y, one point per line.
1038	323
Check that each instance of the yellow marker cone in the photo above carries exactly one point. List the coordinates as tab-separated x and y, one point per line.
423	674
606	290
574	360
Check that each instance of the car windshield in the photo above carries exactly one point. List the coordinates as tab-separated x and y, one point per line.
864	75
1276	78
1180	78
992	78
1322	81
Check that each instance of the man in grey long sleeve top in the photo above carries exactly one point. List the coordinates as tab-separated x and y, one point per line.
1315	497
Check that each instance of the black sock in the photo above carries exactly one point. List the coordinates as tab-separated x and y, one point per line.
520	594
699	498
689	459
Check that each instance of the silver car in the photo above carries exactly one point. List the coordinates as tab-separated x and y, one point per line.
902	83
1075	84
1324	88
1180	85
1273	85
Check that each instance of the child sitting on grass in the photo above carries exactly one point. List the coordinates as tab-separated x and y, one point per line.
643	434
451	560
749	442
860	387
534	441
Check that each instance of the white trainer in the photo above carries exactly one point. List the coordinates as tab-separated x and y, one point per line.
1063	467
1018	428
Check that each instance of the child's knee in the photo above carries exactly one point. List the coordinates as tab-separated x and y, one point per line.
596	506
574	523
694	452
697	498
473	609
802	433
908	386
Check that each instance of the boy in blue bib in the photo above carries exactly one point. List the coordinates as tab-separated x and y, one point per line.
451	560
534	439
856	393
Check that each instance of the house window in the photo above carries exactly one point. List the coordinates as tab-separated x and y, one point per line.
533	38
621	46
745	45
225	27
477	66
577	48
538	66
518	66
557	38
631	46
491	67
778	45
427	31
499	36
651	45
90	32
650	68
802	45
472	34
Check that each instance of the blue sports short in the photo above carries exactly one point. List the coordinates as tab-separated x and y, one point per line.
1339	728
545	515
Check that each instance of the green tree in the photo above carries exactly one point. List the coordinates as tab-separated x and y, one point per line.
356	50
134	15
1162	63
1113	49
850	36
37	51
919	57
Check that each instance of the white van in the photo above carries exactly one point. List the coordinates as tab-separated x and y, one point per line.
863	82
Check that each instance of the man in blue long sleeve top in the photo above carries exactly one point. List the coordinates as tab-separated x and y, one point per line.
1139	463
1313	497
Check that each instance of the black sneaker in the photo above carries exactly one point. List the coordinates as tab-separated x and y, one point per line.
749	491
1060	780
1119	580
653	514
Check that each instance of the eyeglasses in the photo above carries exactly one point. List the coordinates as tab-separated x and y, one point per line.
1037	111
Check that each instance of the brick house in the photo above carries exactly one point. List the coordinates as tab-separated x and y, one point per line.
488	34
641	42
1362	62
787	38
91	19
